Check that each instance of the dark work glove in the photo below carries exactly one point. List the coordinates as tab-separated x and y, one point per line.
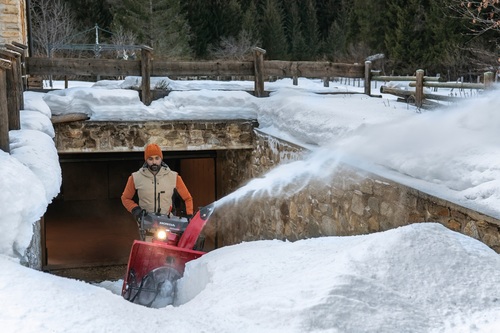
138	212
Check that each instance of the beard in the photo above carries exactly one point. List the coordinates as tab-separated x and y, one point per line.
154	167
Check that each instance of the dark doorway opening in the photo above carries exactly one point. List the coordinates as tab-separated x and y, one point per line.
87	226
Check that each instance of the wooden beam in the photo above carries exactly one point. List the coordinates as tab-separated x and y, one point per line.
456	85
69	117
4	112
14	48
146	53
313	69
20	71
21	49
368	80
419	88
488	80
84	67
212	68
14	88
409	94
406	78
5	64
258	56
22	46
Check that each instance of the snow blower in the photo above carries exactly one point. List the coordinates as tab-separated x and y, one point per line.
158	260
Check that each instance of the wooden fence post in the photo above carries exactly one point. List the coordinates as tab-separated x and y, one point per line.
258	65
14	95
21	49
488	80
4	112
326	82
419	89
19	54
368	78
146	53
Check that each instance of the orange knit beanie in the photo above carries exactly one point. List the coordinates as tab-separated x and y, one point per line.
151	150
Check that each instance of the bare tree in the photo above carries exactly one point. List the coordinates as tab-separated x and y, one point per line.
239	48
123	38
52	26
483	14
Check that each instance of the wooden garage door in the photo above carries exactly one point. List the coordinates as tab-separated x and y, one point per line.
199	176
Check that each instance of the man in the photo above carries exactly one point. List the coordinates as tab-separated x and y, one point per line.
155	184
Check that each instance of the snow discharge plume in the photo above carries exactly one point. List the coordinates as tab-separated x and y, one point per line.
454	148
288	179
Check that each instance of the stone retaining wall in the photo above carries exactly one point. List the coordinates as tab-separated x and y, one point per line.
349	202
108	136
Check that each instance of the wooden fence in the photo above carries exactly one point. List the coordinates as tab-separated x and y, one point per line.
148	67
420	81
16	69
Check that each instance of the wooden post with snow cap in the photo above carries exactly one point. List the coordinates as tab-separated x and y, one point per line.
368	78
258	65
4	111
146	53
488	80
419	88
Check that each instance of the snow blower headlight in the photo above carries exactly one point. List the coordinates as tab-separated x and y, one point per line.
162	234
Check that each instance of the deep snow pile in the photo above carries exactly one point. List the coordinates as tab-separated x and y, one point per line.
418	278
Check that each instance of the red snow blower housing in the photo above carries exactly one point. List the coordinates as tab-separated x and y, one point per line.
158	260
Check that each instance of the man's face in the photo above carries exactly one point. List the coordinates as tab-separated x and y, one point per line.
154	163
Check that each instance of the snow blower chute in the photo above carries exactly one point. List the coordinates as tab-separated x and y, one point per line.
157	261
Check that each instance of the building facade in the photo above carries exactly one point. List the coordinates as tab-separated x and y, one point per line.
13	22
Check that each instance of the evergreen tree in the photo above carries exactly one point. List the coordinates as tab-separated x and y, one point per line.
159	24
273	32
298	45
368	24
445	40
334	44
403	40
328	11
210	20
250	23
310	29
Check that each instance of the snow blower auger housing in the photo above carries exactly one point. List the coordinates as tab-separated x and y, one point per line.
158	260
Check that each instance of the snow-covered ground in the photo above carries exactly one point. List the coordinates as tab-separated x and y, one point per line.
419	278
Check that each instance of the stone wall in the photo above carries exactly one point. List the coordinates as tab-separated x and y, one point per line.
236	167
107	136
349	202
13	21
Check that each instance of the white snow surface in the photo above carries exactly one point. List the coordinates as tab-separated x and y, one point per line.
418	278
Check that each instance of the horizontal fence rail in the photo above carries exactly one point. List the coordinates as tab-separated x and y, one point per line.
148	67
115	67
420	81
